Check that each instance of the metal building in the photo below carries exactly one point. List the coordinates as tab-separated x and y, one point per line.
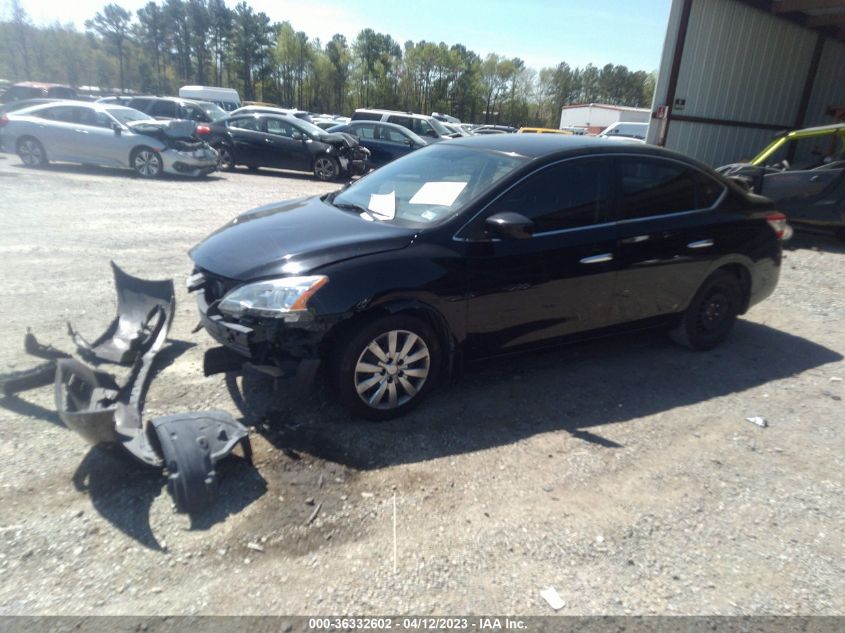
735	72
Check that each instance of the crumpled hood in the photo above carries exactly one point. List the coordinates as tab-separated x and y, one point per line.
175	128
292	238
340	137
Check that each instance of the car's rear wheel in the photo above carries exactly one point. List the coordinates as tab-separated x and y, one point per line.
225	158
386	366
146	162
326	168
32	152
711	314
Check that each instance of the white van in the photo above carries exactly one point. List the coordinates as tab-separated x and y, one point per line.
226	98
626	130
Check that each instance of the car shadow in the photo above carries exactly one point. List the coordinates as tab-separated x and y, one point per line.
272	172
112	172
815	241
569	389
122	491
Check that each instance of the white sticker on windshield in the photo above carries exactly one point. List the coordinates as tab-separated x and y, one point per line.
383	204
443	193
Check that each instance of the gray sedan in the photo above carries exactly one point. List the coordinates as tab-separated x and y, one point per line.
106	135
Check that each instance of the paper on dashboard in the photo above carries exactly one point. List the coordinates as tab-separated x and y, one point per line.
383	204
442	192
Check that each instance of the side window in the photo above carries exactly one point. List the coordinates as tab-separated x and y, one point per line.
280	128
140	104
65	114
366	131
246	123
93	118
164	109
404	121
193	113
366	116
650	187
568	195
395	136
423	128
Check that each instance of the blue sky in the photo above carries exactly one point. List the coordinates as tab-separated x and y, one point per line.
541	32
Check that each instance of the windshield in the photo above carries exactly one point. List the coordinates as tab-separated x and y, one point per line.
128	115
427	187
439	128
310	128
214	111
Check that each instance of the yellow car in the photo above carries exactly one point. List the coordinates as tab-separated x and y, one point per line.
541	130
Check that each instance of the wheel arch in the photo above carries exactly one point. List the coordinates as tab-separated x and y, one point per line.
398	306
740	267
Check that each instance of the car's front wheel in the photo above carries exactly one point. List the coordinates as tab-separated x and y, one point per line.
386	366
32	152
146	162
711	314
326	168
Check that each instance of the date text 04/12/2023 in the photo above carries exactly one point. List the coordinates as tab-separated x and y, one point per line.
417	623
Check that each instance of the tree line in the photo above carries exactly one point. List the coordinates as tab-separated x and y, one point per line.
166	45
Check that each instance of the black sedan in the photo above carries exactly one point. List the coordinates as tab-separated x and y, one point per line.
485	246
285	142
385	141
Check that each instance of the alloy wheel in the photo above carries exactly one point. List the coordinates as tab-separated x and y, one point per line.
147	163
31	153
325	168
392	369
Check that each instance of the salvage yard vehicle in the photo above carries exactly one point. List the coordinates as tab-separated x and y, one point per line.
484	246
427	127
166	108
271	140
803	171
385	141
105	135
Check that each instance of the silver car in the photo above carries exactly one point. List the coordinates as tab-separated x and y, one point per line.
107	135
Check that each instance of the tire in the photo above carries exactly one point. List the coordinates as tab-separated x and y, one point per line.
711	314
225	159
326	168
146	162
32	152
375	383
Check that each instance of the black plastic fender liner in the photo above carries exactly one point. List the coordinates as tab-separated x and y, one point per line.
131	332
39	376
192	443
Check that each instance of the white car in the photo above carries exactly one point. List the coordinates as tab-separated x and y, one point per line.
622	131
106	135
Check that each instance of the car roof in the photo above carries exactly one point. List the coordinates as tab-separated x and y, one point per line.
382	111
540	145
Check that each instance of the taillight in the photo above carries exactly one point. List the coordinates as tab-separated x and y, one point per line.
779	225
3	120
203	129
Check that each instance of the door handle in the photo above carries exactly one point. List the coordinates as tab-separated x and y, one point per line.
815	178
597	259
81	131
636	239
700	244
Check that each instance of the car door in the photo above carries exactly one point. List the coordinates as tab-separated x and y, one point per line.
811	196
56	131
96	141
667	235
396	142
247	138
287	145
556	283
369	136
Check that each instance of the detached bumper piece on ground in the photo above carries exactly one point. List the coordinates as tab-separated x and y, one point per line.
95	405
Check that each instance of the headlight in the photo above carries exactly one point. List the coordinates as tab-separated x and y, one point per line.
275	298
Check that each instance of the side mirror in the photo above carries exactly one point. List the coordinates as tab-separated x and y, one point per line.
509	226
432	134
297	136
118	129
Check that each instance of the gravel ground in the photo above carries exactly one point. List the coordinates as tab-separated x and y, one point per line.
622	472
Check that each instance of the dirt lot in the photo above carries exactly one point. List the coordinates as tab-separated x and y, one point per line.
624	472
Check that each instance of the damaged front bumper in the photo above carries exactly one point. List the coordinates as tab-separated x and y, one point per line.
272	346
194	163
100	409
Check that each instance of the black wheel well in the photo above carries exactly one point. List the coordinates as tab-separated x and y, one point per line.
24	138
742	275
436	321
